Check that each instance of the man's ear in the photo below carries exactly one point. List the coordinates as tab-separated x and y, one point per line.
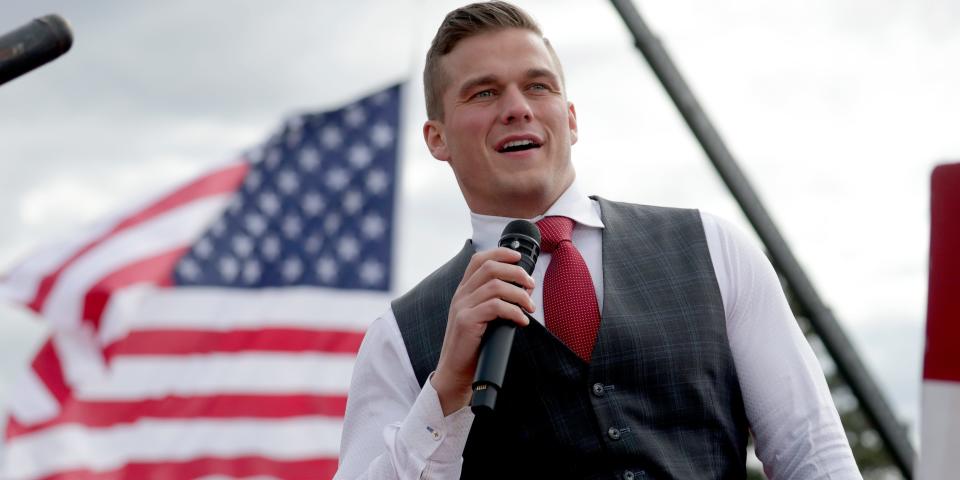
436	140
572	122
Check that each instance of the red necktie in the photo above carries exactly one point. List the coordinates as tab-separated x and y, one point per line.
570	307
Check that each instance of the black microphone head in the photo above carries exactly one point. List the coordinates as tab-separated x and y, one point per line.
33	45
524	237
522	227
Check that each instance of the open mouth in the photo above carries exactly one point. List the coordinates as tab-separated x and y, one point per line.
518	146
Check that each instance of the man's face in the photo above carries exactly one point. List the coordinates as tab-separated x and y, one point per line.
507	127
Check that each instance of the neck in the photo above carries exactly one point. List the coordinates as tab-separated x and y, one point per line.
515	207
519	206
514	210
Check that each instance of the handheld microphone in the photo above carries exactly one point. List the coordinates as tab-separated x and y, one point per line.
33	45
524	237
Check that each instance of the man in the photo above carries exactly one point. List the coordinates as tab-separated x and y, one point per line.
695	343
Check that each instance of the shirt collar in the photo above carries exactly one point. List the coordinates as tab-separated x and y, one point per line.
573	204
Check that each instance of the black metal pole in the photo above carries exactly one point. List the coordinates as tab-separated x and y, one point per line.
821	318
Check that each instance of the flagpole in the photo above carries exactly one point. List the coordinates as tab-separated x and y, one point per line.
821	318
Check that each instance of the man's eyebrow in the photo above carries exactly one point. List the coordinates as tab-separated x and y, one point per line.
490	79
473	83
543	72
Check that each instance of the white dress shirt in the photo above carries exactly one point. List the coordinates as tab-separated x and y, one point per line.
393	429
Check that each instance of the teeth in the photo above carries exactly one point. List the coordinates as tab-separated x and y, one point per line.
517	143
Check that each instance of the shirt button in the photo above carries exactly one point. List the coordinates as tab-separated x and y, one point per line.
614	433
628	475
598	389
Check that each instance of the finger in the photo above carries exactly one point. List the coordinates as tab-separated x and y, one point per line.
495	308
505	291
499	254
492	269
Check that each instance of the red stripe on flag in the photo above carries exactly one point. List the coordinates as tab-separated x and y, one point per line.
104	414
156	270
46	365
220	181
239	467
184	342
941	361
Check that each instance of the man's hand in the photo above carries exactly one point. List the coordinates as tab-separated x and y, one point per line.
485	293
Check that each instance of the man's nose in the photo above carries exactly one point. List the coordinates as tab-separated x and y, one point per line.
515	106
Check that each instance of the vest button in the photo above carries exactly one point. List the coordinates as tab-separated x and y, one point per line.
628	475
598	389
613	433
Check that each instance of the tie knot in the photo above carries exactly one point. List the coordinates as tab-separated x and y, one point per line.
554	231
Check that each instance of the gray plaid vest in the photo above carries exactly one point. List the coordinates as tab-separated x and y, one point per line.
660	397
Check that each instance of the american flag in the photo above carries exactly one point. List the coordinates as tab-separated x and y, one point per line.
212	332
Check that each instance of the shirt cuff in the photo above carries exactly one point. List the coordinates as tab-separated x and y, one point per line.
439	439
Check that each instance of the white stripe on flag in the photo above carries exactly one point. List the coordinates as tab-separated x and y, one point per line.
172	229
81	358
32	401
145	307
104	449
21	282
940	430
152	376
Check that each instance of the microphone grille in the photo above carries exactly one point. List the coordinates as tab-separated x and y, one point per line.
522	227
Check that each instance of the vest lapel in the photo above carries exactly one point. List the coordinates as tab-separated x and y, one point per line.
627	300
614	309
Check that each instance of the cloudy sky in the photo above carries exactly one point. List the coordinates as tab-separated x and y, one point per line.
837	111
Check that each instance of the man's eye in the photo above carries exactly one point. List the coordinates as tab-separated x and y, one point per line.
483	94
539	86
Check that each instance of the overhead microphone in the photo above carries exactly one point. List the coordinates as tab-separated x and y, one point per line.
32	45
523	237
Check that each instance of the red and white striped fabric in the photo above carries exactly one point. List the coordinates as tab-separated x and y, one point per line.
940	410
149	375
